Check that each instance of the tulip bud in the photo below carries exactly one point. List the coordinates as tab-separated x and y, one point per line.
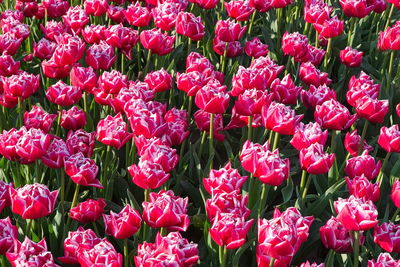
88	211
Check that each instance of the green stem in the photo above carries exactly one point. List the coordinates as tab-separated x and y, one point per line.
122	62
163	231
223	253
350	35
316	39
356	248
76	194
381	172
21	110
146	68
364	132
303	196
250	128
253	16
328	53
389	17
126	253
395	215
224	58
390	71
250	190
211	139
189	45
276	141
271	262
203	140
28	228
62	176
190	105
264	193
303	181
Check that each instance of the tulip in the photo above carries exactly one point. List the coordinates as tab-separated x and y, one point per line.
8	141
157	42
387	236
357	9
5	200
239	10
229	31
229	230
8	66
76	240
247	79
197	62
73	119
135	91
76	19
314	160
293	216
389	138
251	102
207	4
356	214
122	37
316	12
161	154
9	43
170	249
371	109
333	115
124	224
138	16
212	98
8	234
69	49
62	94
224	180
352	142
96	7
93	34
32	145
232	202
165	15
116	14
112	131
310	75
82	170
362	165
271	169
230	49
56	154
21	85
56	8
383	260
351	57
147	174
190	26
202	120
395	194
30	253
360	87
388	39
164	209
295	45
284	91
317	95
102	253
81	141
336	237
88	211
280	118
39	119
360	187
32	201
254	48
52	70
308	134
100	56
159	81
330	28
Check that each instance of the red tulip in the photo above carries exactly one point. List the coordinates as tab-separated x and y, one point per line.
316	12
81	141
62	94
69	49
5	200
293	216
197	62
229	31
164	209
137	15
336	237
239	10
88	211
206	4
10	43
33	201
387	236
147	174
39	119
170	249
360	187
255	48
317	95
395	194
8	66
157	42
44	49
82	170
101	254
32	145
333	115
112	131
314	160
55	155
371	109
383	260
247	79
76	19
121	37
260	5
52	70
356	214
212	98
159	81
233	203
358	9
135	90
21	85
73	119
8	141
190	26
224	180
124	224
330	28
93	34
280	118
295	45
165	15
360	87
230	230
280	3
116	14
8	234
55	8
251	102
362	165
308	134
100	56
30	253
231	49
310	75
29	9
351	57
75	240
389	138
314	264
352	141
96	7
285	91
388	39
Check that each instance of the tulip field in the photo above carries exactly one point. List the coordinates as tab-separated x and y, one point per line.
178	133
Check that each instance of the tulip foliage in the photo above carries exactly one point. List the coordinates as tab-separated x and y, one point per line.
199	132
